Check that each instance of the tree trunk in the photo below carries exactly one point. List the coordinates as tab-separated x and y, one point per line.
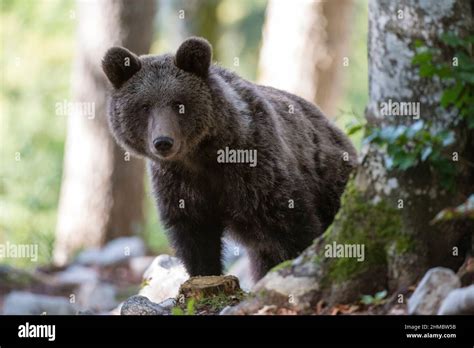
416	193
102	188
303	48
201	20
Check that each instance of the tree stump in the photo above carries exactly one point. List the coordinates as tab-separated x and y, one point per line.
208	286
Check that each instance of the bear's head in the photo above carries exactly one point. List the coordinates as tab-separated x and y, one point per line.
161	106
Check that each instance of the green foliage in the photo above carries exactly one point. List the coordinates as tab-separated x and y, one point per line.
458	72
189	310
408	146
376	300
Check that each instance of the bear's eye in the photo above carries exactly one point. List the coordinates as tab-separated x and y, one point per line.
146	107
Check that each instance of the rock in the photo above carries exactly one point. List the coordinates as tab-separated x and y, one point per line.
25	303
168	303
202	287
466	272
433	288
163	278
140	305
139	265
241	269
75	275
89	257
294	285
115	252
97	296
459	302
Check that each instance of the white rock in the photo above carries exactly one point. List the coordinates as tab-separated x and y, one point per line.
163	278
287	285
116	251
97	296
459	301
434	287
26	303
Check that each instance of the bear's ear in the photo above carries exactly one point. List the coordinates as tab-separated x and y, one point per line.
119	64
194	55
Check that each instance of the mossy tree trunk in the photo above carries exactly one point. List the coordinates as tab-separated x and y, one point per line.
102	186
389	210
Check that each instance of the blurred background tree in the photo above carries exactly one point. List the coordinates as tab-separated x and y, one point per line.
38	48
306	48
102	187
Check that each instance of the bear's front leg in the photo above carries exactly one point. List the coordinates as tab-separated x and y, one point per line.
198	247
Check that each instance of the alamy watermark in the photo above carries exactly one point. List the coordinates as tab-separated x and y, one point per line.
337	250
20	251
67	108
28	330
395	108
237	156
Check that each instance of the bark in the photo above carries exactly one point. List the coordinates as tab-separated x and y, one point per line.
102	188
303	49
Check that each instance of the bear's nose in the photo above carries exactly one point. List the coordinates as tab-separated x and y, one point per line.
163	144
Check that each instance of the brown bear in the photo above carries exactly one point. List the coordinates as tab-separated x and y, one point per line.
227	156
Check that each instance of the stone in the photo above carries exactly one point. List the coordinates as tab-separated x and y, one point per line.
115	252
140	305
432	290
75	275
163	278
458	302
97	296
26	303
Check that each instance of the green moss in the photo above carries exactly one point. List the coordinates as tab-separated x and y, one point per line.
376	226
283	265
210	305
218	302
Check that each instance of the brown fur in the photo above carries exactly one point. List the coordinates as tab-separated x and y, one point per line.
300	158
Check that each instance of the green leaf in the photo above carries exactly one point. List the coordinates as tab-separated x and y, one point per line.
367	299
450	95
422	58
381	295
449	139
419	43
354	129
466	76
177	311
190	307
426	153
452	40
427	70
